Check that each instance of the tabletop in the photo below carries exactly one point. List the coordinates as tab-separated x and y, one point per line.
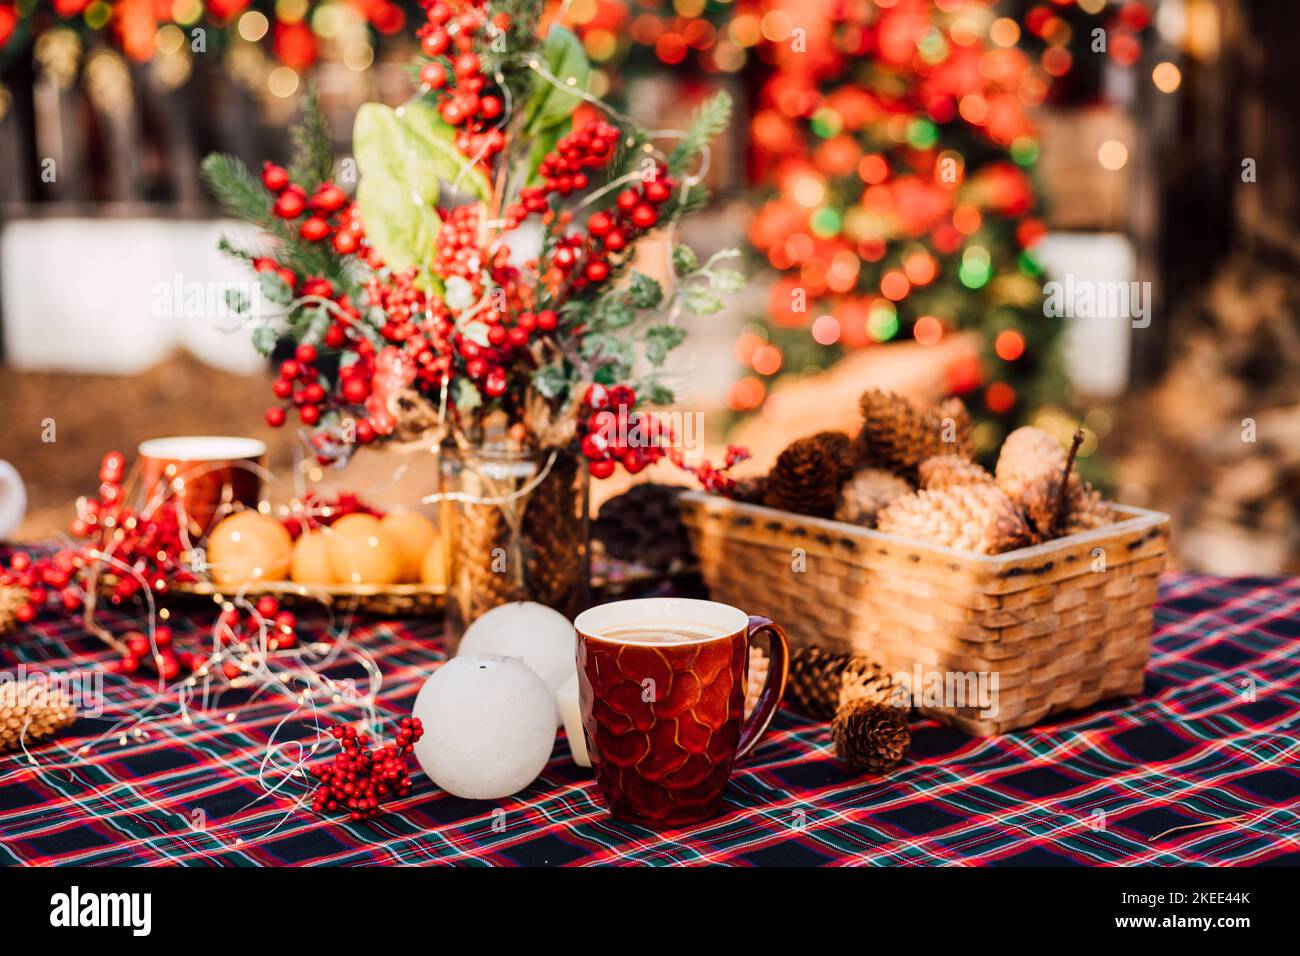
1209	747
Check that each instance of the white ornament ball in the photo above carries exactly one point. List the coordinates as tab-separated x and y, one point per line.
489	726
542	637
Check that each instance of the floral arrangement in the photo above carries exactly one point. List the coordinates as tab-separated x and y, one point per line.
486	278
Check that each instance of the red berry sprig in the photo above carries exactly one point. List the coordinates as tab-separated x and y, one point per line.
604	432
30	585
454	73
361	776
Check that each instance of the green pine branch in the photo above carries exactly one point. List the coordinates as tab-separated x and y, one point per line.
313	150
709	122
240	193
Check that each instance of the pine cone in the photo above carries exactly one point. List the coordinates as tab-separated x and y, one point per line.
1029	470
31	710
864	679
644	525
869	491
954	410
12	597
813	686
945	471
898	436
839	447
977	518
1027	455
870	737
805	480
749	490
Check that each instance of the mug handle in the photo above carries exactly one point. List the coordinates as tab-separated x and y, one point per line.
770	696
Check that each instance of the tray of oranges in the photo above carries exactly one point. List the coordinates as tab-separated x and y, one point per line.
345	555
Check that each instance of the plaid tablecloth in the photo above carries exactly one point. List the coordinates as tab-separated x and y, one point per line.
1212	737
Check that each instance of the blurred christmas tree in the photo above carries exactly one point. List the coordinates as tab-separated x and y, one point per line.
898	145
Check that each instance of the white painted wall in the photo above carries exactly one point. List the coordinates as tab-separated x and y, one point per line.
1096	350
92	295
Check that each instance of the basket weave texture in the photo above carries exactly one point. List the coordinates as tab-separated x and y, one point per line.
1058	626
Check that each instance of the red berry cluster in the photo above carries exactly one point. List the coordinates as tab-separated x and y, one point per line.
458	245
159	656
712	478
362	775
34	583
235	628
326	213
321	512
300	383
609	424
562	168
635	211
454	73
151	543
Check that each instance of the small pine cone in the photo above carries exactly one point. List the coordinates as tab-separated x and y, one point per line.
977	518
839	447
758	667
945	471
12	597
805	480
898	436
749	490
1087	511
870	737
31	710
953	410
869	491
864	679
813	686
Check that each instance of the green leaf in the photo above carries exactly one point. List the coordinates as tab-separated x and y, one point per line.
467	395
264	339
397	188
644	292
437	140
684	259
700	301
403	156
657	393
660	340
726	280
563	55
274	289
603	347
550	381
615	313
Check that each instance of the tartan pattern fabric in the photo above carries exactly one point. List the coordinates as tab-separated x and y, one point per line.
1212	736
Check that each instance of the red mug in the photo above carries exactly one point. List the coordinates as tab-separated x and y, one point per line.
205	475
661	688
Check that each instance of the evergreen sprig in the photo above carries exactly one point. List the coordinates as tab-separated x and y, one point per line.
313	150
709	122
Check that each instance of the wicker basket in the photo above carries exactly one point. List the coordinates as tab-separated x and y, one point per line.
1047	629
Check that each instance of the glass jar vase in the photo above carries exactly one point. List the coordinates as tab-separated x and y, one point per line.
518	530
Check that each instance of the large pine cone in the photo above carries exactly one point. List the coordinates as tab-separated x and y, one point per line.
839	448
898	436
871	737
976	518
864	679
1029	470
644	526
806	479
813	685
30	711
869	491
945	471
